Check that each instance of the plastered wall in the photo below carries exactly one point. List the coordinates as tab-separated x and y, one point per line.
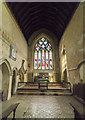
10	34
73	41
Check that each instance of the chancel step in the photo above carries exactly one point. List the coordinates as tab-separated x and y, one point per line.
44	93
33	89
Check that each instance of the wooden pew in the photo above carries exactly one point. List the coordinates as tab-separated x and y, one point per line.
9	110
1	95
78	112
79	90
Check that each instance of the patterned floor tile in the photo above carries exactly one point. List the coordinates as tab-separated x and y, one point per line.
42	106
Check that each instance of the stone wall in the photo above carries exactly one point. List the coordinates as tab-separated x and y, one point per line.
72	39
10	34
54	42
82	72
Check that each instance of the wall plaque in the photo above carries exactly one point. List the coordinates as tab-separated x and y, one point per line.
13	52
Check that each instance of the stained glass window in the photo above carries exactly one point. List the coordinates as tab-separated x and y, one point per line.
47	60
35	62
39	60
50	59
43	55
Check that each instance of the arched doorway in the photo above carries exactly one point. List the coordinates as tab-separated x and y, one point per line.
5	81
65	75
64	71
13	83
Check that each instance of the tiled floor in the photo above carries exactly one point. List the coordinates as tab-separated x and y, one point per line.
39	106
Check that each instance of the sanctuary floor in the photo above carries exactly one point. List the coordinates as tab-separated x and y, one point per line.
42	106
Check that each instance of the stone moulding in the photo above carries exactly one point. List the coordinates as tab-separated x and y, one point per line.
3	60
79	65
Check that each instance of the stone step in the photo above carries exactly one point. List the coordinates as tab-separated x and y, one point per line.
44	93
42	90
36	84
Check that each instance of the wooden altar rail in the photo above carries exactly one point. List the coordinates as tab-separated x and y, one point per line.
63	84
67	85
24	83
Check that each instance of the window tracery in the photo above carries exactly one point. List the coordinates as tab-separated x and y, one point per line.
43	55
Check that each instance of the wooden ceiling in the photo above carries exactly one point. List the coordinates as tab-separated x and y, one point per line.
32	16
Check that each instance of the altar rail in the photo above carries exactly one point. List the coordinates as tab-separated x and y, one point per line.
63	84
24	83
66	84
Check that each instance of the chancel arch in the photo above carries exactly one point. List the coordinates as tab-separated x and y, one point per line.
43	48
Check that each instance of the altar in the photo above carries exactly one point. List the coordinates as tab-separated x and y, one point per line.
43	83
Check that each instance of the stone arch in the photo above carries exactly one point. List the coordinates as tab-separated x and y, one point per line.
7	63
65	75
53	41
14	80
42	35
48	38
15	68
81	63
45	32
63	63
21	72
81	68
6	71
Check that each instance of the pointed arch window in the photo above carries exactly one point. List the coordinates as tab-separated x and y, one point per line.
43	55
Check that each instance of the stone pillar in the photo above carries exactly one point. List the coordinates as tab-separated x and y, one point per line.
10	86
0	77
55	77
51	77
25	77
16	85
0	92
